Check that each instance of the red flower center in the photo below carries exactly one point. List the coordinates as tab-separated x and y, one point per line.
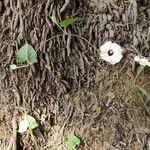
110	52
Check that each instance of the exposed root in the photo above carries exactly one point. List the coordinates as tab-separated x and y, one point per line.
64	6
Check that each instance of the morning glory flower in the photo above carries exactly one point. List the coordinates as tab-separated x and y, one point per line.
142	61
27	122
23	126
111	52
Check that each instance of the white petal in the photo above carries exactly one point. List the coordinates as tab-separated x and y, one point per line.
137	58
106	46
105	56
116	58
143	62
116	48
23	126
148	64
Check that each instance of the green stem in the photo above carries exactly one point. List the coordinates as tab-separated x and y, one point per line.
74	35
141	68
53	37
84	40
34	139
64	31
23	66
31	133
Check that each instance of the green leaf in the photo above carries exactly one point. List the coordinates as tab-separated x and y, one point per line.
65	23
26	54
98	111
30	121
73	141
13	66
53	18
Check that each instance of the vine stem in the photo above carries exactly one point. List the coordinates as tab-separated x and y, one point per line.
34	139
84	40
53	37
141	68
23	66
74	35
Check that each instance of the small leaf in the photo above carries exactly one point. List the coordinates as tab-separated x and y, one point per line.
23	126
30	121
65	23
73	141
53	18
13	66
26	54
98	111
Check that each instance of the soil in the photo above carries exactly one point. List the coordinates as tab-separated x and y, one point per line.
64	97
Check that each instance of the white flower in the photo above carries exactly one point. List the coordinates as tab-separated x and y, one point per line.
27	122
142	61
23	126
111	52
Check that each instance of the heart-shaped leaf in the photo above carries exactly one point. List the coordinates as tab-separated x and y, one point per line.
31	121
73	141
26	54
